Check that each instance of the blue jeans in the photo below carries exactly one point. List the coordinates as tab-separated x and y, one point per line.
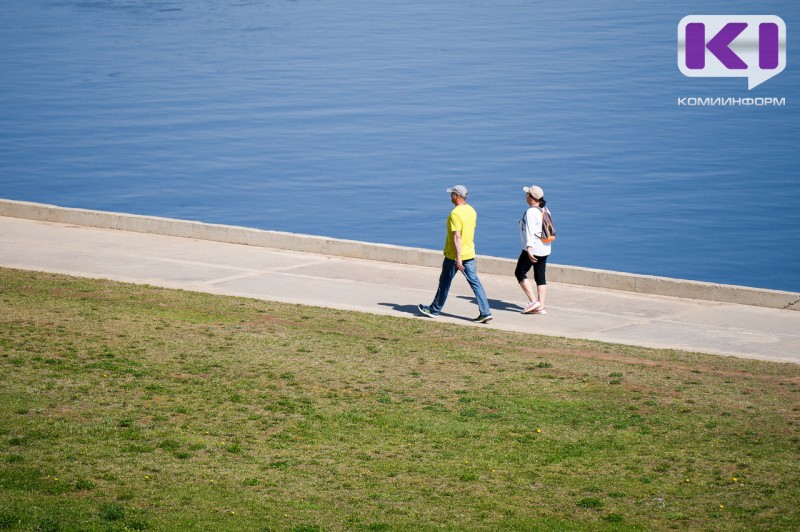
449	271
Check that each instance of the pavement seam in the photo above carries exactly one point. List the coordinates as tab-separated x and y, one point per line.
244	275
283	269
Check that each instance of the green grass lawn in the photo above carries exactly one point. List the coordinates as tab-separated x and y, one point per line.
127	407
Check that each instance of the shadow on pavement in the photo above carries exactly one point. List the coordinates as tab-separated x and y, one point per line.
412	309
495	304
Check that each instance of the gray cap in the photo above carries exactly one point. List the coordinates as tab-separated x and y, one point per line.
461	190
534	191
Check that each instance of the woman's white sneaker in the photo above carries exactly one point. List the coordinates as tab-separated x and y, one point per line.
532	306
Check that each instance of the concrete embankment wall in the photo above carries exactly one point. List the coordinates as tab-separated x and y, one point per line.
646	284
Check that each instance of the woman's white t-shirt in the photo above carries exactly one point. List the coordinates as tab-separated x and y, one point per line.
530	232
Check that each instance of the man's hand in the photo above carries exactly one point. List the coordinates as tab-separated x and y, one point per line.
459	265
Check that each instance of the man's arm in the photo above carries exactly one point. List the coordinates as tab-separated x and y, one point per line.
457	242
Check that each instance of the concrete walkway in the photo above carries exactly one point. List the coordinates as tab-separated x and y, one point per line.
396	289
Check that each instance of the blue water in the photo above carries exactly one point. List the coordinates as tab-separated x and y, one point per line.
349	118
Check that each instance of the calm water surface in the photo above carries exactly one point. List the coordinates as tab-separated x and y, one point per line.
350	118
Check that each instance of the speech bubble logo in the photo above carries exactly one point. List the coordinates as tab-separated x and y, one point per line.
732	46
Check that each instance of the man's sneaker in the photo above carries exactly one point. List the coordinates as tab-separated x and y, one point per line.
532	306
426	311
483	318
540	310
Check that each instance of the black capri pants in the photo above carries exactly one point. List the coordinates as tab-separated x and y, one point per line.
524	265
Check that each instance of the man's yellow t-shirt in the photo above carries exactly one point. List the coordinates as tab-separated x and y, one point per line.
462	218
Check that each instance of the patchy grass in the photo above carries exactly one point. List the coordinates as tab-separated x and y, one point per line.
128	407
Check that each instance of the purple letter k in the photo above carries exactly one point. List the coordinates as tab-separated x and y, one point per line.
719	45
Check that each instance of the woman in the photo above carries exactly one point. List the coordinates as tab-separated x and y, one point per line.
534	252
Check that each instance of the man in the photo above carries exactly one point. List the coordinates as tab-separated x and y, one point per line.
459	256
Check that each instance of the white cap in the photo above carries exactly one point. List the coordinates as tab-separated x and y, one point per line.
461	190
534	191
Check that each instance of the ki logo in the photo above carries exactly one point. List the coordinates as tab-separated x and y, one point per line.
732	46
